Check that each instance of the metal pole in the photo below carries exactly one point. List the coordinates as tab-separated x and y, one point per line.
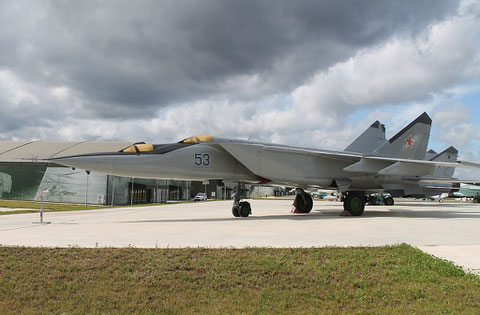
41	209
42	199
86	193
168	191
113	189
131	192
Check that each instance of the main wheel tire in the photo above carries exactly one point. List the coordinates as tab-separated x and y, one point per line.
389	201
244	209
235	211
303	203
355	204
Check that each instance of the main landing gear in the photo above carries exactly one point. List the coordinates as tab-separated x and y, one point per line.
354	203
389	201
240	208
303	202
379	199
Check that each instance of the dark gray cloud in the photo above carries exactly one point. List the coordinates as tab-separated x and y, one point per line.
125	59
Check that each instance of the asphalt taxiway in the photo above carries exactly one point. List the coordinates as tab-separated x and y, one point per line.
449	230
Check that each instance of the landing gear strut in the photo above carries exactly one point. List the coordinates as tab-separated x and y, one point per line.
240	208
303	202
354	203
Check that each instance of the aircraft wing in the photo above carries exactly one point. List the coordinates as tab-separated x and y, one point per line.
469	164
325	153
343	155
424	162
448	180
247	154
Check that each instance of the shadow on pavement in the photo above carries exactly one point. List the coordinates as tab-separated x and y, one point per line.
334	214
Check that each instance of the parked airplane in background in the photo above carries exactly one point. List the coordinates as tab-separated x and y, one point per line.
468	191
371	164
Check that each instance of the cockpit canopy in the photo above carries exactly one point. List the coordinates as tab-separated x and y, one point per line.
142	147
138	148
197	139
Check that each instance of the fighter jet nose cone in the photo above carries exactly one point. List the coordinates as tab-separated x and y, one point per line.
91	163
67	161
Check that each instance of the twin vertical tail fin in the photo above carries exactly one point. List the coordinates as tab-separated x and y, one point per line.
411	142
369	140
449	155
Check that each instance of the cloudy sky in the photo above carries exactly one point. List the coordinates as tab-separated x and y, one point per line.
307	73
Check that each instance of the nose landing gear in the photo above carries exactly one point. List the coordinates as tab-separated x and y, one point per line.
240	208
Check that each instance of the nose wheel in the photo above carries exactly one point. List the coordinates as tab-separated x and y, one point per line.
240	208
235	212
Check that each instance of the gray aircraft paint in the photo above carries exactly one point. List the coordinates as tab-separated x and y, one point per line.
430	155
179	164
411	142
374	137
369	140
429	189
449	155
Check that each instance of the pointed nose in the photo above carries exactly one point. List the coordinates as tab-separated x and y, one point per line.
102	164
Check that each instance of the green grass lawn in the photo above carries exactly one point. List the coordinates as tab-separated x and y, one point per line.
398	279
47	206
34	206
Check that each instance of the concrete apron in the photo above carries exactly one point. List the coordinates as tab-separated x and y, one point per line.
450	230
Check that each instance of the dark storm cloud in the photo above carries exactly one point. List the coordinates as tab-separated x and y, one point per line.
125	59
25	112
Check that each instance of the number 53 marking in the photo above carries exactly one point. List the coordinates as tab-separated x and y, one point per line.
202	159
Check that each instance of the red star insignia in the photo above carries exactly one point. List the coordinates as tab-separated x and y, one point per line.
410	141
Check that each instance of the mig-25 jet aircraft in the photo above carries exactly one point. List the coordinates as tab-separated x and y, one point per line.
372	164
